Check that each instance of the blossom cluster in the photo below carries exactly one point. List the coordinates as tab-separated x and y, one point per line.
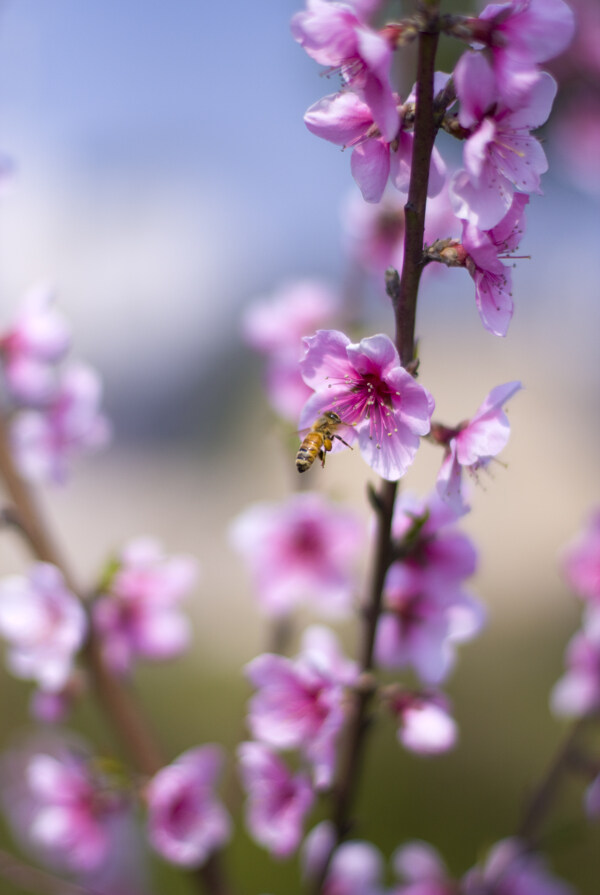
426	613
299	705
502	97
56	406
134	616
274	326
77	812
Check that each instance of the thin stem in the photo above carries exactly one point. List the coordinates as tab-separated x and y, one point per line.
349	775
404	299
541	799
405	305
117	702
25	513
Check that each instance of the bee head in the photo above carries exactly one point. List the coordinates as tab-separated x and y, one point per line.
332	416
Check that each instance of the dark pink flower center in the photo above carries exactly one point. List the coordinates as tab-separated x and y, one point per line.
307	540
183	814
409	609
368	397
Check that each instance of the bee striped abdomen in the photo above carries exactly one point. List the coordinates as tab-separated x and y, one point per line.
308	451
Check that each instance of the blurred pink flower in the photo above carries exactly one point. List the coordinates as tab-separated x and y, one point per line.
72	815
432	545
422	871
299	702
277	801
422	621
500	154
275	326
521	34
577	693
72	810
334	34
300	551
44	440
581	561
425	724
44	624
38	338
472	444
365	384
374	234
513	869
138	616
356	867
186	822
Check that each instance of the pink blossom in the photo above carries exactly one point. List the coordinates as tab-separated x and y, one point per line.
275	327
513	869
421	870
334	35
365	384
44	623
374	234
38	338
300	702
137	616
473	444
431	545
302	550
278	802
426	726
493	281
356	867
345	120
520	34
422	622
71	811
581	562
186	822
577	693
500	155
44	441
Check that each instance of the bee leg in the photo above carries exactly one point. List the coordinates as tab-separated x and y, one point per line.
339	438
322	455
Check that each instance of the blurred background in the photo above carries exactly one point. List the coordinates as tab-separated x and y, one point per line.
163	179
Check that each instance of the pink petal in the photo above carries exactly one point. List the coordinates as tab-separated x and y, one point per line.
370	166
476	88
341	118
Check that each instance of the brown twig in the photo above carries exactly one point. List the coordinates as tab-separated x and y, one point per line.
404	300
543	795
405	306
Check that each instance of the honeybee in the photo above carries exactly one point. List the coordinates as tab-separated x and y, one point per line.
319	440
